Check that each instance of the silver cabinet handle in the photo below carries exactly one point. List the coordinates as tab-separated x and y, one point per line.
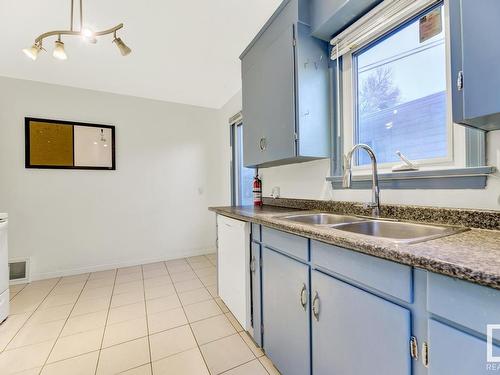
252	265
460	80
315	306
303	296
263	144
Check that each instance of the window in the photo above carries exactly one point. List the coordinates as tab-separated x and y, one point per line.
391	90
241	177
401	94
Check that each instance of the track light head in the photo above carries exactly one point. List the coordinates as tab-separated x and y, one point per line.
33	51
59	52
124	49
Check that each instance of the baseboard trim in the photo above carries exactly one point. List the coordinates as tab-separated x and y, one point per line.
110	266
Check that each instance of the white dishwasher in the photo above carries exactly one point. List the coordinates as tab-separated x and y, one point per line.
233	260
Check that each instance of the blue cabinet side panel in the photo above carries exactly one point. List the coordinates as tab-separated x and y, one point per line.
256	294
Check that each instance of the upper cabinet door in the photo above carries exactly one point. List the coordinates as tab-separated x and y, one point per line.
285	303
285	85
269	103
475	56
355	332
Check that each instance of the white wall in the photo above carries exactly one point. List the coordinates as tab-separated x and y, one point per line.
153	207
307	180
223	180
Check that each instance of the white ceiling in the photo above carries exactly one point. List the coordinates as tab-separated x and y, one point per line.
183	51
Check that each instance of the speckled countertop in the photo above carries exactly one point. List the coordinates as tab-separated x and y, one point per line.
473	255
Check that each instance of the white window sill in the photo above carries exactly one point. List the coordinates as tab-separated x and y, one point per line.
462	178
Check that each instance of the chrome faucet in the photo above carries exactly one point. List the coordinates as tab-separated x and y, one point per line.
375	203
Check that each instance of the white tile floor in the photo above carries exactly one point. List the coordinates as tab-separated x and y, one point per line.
160	318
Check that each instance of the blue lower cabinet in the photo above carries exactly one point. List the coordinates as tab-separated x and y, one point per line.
285	302
453	352
355	332
255	293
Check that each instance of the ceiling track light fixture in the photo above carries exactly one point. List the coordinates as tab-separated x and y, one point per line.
85	33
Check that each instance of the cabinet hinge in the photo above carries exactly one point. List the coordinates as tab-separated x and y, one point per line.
296	136
425	354
294	42
414	348
261	328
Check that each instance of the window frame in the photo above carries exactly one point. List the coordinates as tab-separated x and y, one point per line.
466	147
236	143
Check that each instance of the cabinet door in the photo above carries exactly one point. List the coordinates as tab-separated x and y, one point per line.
269	103
355	332
285	286
452	352
475	55
256	293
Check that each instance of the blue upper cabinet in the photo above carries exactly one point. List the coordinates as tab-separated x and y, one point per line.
328	17
474	62
285	85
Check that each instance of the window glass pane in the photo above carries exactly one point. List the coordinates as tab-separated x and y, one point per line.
246	174
401	95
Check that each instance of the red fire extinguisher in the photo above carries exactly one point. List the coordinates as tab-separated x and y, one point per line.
257	190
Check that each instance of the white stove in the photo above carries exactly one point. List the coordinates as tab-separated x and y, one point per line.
4	268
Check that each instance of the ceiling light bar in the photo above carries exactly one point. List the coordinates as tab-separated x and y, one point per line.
85	33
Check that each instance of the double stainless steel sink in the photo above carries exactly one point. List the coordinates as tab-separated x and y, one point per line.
394	231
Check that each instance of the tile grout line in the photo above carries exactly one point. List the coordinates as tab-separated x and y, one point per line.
19	291
31	315
237	333
236	329
147	318
147	323
189	323
65	322
106	322
241	364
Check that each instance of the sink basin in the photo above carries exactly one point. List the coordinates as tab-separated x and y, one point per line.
399	232
322	219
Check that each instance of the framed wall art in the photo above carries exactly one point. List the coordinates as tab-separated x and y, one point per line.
69	145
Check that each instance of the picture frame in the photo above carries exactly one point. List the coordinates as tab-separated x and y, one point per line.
59	144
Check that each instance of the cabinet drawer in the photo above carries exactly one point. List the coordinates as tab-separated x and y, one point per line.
470	305
388	277
256	232
287	243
